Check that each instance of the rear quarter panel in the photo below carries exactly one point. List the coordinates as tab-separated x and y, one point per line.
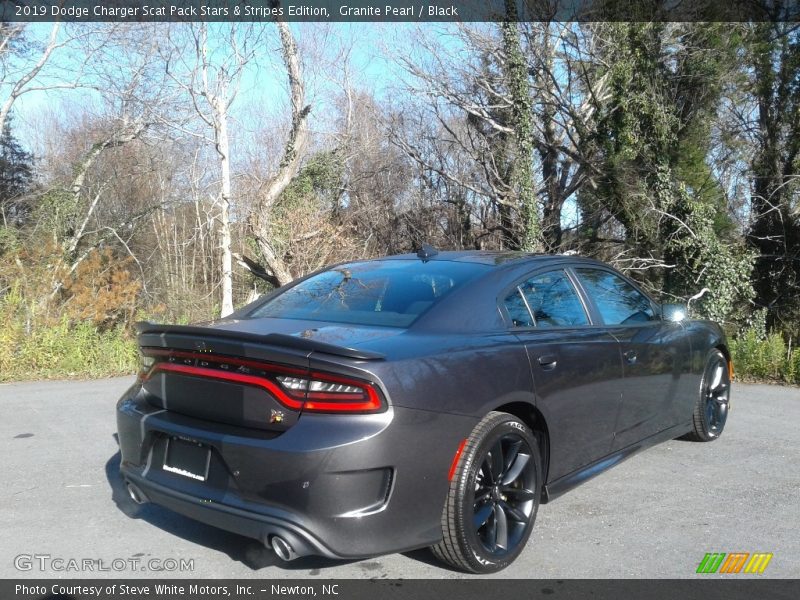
451	373
439	388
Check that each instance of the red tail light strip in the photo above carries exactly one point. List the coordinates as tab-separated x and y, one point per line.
311	401
241	362
316	400
228	376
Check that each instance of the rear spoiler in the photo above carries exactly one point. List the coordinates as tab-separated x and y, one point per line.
146	329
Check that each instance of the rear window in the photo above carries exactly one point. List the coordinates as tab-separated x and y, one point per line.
388	292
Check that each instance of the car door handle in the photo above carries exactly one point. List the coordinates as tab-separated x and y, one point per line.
630	356
548	362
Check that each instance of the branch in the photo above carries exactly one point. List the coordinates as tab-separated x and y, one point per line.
295	146
256	269
19	86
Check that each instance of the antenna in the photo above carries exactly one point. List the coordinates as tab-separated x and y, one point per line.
427	252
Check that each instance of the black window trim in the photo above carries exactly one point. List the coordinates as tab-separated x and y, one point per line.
565	269
527	304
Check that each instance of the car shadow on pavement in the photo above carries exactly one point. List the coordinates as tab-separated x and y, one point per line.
245	550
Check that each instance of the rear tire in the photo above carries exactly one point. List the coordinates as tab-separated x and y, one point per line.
494	496
711	410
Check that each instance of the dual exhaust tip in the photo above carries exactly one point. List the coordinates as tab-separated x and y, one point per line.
280	546
136	494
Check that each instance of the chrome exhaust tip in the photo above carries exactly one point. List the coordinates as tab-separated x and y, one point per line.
136	494
282	548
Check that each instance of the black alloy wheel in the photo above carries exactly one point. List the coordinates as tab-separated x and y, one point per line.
494	497
711	411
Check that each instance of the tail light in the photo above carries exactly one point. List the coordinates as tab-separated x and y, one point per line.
330	393
145	364
295	388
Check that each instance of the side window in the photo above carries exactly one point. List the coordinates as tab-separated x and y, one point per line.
551	298
554	301
617	300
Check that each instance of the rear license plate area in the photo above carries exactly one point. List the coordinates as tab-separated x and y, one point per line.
187	458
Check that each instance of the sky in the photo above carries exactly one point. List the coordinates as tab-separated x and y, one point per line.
367	48
364	51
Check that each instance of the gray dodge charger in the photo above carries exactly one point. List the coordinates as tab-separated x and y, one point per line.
430	399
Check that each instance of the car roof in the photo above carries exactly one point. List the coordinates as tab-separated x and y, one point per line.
497	258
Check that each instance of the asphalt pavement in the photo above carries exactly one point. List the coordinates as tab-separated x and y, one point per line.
63	512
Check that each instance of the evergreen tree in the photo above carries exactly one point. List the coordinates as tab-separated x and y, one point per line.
16	175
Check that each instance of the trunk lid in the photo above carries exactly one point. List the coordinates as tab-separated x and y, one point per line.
242	373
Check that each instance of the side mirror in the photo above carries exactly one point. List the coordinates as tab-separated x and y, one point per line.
673	312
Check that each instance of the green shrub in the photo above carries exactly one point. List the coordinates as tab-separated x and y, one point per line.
793	366
765	357
63	350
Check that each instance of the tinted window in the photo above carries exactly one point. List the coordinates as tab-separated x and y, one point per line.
616	299
552	300
517	310
388	292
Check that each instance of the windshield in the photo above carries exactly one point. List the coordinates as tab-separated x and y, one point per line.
386	292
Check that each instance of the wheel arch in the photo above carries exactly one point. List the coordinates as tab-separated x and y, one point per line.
534	419
722	347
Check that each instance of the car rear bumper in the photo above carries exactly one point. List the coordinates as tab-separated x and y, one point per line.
258	525
341	486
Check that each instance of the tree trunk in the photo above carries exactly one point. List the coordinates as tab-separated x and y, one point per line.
293	153
225	203
521	179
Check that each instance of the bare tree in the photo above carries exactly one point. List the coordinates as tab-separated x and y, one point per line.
130	90
294	151
512	100
23	61
17	84
210	74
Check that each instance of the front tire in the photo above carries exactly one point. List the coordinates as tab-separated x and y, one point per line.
494	496
711	410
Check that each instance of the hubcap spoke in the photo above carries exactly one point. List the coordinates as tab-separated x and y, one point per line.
491	527
519	495
713	419
516	468
510	456
721	389
715	381
514	513
501	528
486	470
482	515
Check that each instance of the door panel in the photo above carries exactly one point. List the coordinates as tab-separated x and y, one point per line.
577	368
654	359
577	375
652	350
